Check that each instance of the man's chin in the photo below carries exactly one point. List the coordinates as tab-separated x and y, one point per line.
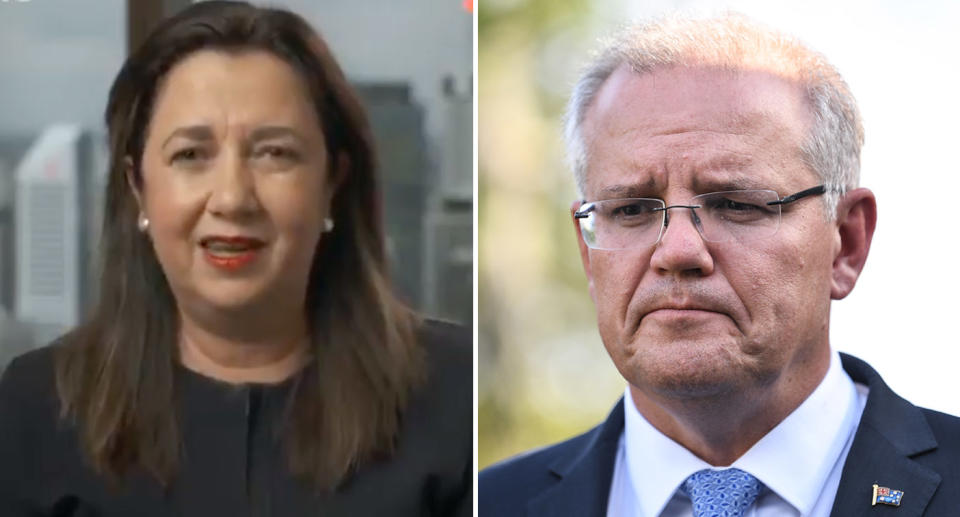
680	325
687	386
703	366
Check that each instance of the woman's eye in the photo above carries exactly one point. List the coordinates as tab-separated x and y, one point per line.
188	155
277	153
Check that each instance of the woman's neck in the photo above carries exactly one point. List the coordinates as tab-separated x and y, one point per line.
263	359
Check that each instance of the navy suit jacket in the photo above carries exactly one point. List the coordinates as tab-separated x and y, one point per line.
896	445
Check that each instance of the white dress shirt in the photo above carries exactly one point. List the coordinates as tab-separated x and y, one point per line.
799	461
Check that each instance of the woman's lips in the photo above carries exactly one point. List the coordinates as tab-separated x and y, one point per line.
231	261
230	253
233	241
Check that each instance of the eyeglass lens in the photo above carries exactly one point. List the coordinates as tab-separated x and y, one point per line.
740	215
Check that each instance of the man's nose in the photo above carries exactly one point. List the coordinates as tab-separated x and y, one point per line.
681	249
233	190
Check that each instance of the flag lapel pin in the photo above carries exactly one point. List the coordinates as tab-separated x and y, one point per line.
884	495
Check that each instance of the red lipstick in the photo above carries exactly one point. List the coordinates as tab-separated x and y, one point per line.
230	253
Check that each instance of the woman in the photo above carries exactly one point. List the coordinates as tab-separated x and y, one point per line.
246	356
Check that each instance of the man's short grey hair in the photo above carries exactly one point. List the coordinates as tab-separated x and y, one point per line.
732	42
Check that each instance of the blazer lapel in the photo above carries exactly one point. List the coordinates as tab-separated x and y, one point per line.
890	433
584	475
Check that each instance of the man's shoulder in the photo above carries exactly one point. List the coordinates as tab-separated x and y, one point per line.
946	431
533	464
944	426
912	448
888	410
505	487
582	463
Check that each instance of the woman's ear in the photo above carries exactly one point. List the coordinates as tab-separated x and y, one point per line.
131	176
338	172
336	176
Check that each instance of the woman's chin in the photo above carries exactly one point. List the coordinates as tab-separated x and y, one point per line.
231	296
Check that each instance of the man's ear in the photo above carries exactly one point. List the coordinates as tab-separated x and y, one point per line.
856	221
584	249
130	174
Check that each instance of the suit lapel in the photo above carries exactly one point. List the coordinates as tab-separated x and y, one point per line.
584	475
891	432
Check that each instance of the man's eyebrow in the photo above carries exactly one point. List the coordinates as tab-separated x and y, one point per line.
625	191
726	161
722	183
726	171
190	132
268	132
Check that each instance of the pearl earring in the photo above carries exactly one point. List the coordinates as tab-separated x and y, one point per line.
327	224
143	223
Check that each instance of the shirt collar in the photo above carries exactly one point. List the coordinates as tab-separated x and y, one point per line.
794	459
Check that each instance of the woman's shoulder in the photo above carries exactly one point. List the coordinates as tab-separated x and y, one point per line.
447	343
28	417
27	384
448	350
31	371
449	356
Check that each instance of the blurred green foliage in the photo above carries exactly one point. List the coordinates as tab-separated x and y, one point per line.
543	373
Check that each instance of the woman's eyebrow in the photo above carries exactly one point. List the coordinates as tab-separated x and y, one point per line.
191	132
268	132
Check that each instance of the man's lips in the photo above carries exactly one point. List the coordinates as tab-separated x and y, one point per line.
681	313
668	300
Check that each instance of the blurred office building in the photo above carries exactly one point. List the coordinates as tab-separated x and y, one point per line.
415	82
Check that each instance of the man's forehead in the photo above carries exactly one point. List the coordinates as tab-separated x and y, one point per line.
640	183
718	122
668	98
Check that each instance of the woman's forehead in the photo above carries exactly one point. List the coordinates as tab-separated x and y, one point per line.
228	90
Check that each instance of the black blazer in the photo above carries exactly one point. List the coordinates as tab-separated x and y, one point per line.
896	445
234	465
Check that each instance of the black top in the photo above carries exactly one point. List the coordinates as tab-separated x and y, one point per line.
233	464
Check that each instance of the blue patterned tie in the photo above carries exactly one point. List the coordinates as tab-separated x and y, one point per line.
721	493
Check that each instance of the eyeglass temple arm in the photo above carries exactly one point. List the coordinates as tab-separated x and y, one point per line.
813	191
584	213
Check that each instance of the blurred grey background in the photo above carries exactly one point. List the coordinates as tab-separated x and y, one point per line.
411	62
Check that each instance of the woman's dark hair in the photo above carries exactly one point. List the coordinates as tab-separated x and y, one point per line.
115	373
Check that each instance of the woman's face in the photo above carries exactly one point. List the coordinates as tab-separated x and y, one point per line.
236	181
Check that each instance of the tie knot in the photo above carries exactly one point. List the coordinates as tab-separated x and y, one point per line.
721	493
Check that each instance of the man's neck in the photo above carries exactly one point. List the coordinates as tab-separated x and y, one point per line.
722	428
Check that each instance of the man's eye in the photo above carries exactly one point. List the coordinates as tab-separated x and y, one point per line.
738	211
735	206
630	209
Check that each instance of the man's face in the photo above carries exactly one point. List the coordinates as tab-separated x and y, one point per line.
689	318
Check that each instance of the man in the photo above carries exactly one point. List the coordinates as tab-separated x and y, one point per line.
718	168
